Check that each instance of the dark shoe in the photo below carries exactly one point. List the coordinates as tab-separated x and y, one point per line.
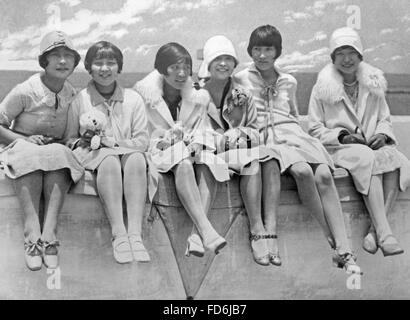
370	243
50	254
274	257
261	256
346	261
390	249
33	252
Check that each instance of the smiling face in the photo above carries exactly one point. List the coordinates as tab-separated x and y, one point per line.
177	74
264	57
60	63
222	67
104	72
346	60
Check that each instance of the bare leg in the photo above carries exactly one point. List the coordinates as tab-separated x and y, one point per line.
374	202
332	207
207	186
270	194
55	187
390	191
109	186
28	189
188	193
308	193
251	192
135	193
135	190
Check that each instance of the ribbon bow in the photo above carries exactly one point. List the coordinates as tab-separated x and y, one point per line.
270	90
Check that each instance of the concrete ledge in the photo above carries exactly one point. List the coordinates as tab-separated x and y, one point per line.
88	270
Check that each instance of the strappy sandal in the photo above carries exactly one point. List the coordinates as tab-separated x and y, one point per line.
346	261
122	249
274	257
50	254
390	249
32	255
138	249
261	258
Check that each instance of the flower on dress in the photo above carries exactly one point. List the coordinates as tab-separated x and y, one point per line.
238	98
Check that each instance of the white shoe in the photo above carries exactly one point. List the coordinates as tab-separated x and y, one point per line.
194	246
122	249
138	250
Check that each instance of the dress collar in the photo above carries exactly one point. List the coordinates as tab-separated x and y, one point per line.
48	97
253	69
97	98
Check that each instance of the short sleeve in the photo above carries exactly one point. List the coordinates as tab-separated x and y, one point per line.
11	106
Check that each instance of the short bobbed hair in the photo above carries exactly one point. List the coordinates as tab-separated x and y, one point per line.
43	62
333	54
265	36
169	54
101	50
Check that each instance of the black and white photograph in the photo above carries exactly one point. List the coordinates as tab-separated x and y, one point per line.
209	150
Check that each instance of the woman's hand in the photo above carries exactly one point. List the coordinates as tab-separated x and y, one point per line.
353	138
37	139
194	149
242	143
377	141
108	142
163	144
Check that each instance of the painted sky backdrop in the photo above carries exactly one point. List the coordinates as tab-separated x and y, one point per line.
139	27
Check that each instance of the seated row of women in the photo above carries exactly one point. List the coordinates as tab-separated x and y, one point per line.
244	124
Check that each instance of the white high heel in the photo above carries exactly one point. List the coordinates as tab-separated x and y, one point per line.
194	246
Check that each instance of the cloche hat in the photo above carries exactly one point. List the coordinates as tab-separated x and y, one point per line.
345	37
214	47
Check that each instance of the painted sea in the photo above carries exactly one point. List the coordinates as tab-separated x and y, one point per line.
398	94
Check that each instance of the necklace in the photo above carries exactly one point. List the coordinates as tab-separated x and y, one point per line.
350	84
352	91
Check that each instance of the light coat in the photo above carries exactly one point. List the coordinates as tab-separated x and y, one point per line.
192	116
331	111
245	119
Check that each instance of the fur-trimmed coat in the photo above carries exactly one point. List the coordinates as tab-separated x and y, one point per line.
331	111
193	117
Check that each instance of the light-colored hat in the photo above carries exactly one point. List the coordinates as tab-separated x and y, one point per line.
55	39
214	47
345	37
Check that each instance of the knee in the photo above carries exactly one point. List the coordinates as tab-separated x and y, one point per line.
137	161
323	177
185	167
110	165
301	171
271	167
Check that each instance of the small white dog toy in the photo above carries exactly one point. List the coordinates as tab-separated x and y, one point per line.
93	121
